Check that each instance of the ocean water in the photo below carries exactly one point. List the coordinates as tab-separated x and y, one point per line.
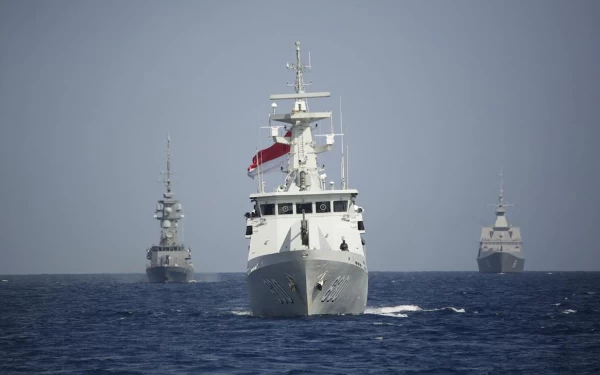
415	323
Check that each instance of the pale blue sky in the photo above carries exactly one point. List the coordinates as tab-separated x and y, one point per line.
438	97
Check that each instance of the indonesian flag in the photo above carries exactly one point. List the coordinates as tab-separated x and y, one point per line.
269	158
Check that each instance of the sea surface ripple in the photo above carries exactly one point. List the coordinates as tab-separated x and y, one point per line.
415	323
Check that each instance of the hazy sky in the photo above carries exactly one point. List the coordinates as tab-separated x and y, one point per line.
438	96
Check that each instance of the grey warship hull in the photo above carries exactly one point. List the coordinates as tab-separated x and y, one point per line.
500	262
312	282
170	274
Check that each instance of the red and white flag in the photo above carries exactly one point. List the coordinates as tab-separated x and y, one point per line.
269	158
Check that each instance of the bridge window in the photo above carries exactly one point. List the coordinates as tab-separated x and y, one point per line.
307	207
323	207
267	209
340	206
285	208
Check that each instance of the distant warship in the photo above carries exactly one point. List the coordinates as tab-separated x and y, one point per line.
306	253
500	246
170	260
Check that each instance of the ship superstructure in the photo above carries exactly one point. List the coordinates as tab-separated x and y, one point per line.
306	254
170	260
500	246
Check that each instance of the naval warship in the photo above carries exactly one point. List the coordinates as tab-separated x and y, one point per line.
170	260
306	254
500	246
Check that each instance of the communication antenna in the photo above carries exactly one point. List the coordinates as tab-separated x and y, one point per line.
167	175
258	187
300	69
501	197
347	166
501	204
342	131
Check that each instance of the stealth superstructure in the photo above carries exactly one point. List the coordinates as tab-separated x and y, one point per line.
500	246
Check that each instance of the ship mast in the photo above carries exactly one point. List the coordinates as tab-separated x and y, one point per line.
168	210
167	181
501	206
299	68
303	172
501	197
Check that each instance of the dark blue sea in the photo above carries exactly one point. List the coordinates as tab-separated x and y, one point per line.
415	323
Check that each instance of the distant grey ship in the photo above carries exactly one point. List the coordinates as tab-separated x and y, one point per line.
500	246
170	260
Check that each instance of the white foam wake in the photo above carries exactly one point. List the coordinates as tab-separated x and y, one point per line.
398	311
453	309
241	312
393	311
447	308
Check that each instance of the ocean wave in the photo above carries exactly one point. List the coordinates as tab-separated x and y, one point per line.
95	324
385	324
